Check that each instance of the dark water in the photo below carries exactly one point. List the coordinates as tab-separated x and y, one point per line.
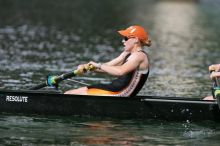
51	37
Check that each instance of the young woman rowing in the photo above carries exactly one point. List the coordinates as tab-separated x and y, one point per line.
131	67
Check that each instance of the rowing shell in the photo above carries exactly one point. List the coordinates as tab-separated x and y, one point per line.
140	107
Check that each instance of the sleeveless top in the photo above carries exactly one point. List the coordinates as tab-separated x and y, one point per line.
127	85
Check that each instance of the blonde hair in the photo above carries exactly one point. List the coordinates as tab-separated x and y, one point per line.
146	43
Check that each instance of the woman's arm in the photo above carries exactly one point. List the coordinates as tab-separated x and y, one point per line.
118	60
215	75
115	62
132	63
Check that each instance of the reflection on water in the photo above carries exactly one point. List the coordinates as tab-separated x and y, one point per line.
176	32
17	130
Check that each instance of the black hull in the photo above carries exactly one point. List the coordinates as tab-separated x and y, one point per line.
146	107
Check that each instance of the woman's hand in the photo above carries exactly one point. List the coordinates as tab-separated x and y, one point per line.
214	67
215	75
82	68
95	65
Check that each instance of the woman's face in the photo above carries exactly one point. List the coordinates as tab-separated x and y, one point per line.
129	43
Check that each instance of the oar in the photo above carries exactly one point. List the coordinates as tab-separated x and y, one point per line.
215	85
52	81
216	89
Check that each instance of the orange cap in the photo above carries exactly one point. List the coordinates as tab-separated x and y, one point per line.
135	31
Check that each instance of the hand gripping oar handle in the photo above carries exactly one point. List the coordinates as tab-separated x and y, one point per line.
54	80
215	86
216	89
212	68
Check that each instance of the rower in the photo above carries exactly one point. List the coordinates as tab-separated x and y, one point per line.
131	67
214	75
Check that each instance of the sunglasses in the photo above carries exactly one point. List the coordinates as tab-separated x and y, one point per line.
126	38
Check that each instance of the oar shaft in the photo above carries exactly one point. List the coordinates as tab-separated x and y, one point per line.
56	79
215	79
75	81
39	86
65	76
